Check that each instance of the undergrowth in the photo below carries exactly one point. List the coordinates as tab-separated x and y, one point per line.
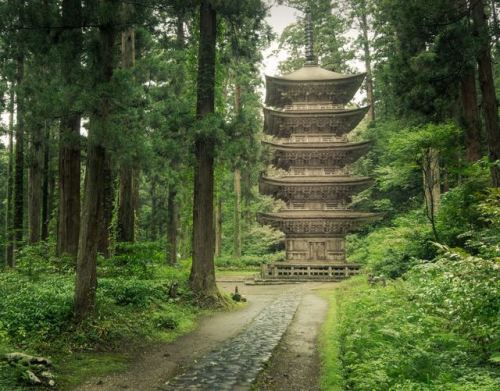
435	330
133	307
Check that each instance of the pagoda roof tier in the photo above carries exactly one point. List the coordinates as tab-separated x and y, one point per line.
304	223
284	123
313	188
311	84
328	155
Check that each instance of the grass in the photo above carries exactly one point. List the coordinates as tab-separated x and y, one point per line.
78	367
331	370
247	272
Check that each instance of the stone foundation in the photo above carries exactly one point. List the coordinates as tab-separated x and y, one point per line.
309	271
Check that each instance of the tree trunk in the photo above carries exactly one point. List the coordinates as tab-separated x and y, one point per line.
35	190
46	185
489	102
18	218
432	185
237	213
471	121
126	215
173	218
218	226
172	226
68	219
368	62
86	271
202	277
237	186
154	226
106	217
93	208
126	210
9	233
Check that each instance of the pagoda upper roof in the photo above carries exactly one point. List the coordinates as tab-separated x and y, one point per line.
313	73
311	84
313	188
316	222
329	155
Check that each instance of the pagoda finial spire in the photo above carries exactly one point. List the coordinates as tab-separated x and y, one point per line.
310	59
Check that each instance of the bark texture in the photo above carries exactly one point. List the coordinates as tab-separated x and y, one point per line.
202	277
432	185
68	220
218	226
237	187
471	120
126	208
46	186
237	214
489	102
107	200
35	183
172	226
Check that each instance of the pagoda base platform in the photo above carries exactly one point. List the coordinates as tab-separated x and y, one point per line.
285	271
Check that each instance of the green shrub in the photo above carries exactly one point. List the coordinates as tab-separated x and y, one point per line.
392	250
436	330
142	260
248	261
132	291
35	310
465	291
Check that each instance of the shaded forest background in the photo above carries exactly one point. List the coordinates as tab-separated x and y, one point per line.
121	117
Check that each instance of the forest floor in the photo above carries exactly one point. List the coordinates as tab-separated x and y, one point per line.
298	309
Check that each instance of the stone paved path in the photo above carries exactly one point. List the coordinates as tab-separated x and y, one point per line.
235	364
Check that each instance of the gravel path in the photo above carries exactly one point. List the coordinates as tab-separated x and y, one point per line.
295	363
237	362
227	350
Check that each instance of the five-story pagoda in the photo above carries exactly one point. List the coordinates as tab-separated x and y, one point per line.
307	115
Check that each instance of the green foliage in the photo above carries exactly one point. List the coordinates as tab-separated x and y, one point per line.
133	304
464	290
391	250
404	337
248	261
38	311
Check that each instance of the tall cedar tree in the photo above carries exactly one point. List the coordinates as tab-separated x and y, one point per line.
69	133
173	216
9	233
18	218
95	181
126	209
202	277
489	103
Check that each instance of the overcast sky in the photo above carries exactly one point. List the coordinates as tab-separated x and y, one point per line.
280	17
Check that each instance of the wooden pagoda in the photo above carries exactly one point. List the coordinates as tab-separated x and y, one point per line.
307	116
